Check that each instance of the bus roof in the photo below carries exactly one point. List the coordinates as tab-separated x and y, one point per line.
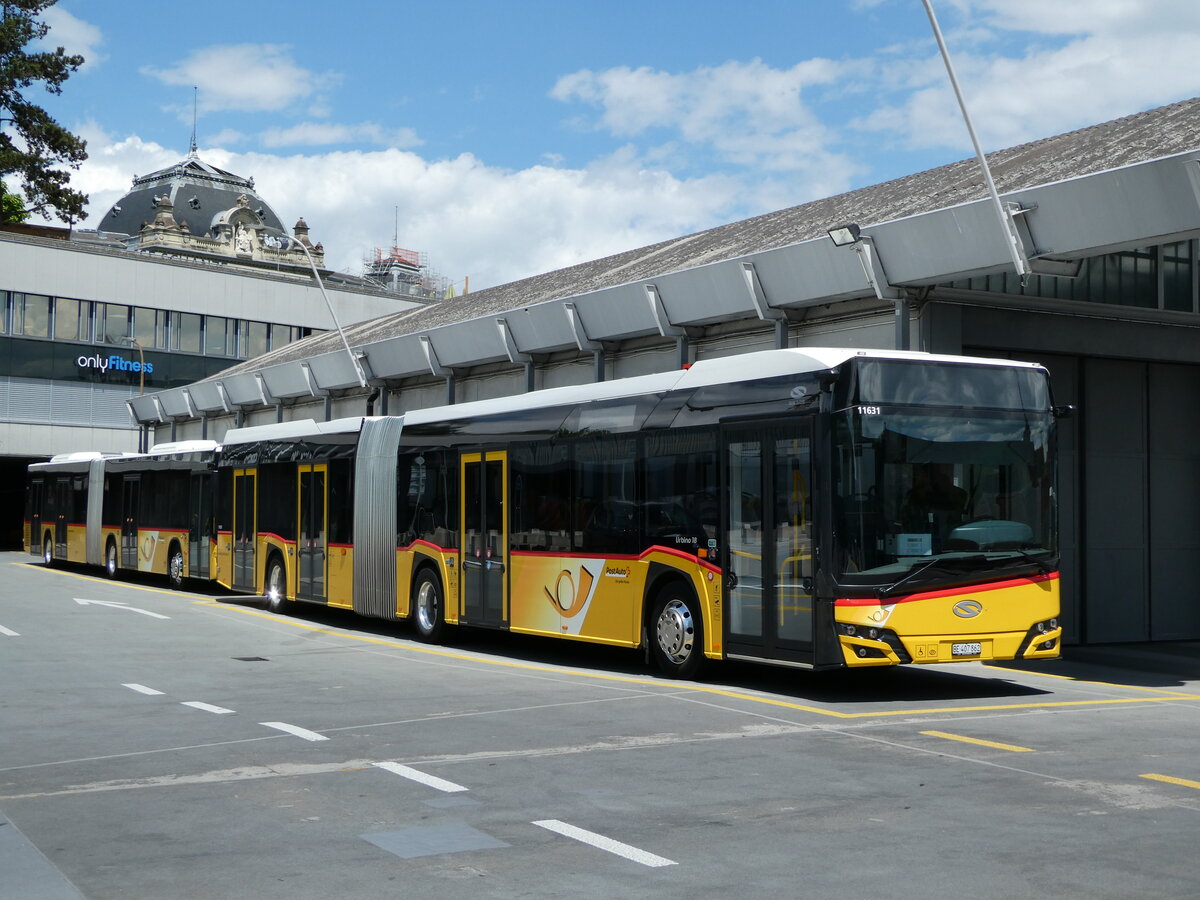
722	370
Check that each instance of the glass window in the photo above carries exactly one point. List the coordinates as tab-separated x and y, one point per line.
36	321
67	314
540	517
115	326
426	498
186	335
606	510
922	495
256	343
3	312
681	509
1177	261
216	343
281	336
145	326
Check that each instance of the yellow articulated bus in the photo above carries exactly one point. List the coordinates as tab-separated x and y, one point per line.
816	508
139	512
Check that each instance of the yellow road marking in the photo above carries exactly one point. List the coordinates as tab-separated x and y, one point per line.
125	584
1182	782
689	686
970	740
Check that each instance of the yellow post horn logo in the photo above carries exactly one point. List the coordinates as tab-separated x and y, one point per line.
575	599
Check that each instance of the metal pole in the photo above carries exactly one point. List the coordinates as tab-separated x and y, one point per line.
1019	261
362	378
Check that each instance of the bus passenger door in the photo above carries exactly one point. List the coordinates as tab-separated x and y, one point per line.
244	528
131	489
485	539
36	509
313	531
62	511
199	524
770	541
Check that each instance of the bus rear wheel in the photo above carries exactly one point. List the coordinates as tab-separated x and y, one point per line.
175	566
275	590
677	632
429	612
47	551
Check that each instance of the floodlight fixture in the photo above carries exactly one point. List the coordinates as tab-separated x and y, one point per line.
845	235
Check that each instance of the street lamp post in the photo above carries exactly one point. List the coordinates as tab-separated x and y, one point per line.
141	363
143	435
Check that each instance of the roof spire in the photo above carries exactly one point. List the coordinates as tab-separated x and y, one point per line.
192	149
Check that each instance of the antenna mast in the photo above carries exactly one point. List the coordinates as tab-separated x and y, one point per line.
192	150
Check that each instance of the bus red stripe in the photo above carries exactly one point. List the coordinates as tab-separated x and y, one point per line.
948	592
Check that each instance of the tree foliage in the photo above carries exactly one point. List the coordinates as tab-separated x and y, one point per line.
12	207
34	148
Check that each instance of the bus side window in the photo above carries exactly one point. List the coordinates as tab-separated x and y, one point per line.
681	509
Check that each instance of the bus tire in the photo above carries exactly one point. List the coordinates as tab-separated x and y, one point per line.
111	567
47	550
275	586
429	608
175	566
677	631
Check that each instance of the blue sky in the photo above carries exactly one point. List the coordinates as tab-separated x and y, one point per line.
505	139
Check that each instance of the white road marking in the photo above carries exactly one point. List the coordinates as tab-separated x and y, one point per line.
296	730
428	780
114	605
8	632
142	689
207	707
601	842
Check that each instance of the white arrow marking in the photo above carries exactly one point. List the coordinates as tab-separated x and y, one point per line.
8	632
114	605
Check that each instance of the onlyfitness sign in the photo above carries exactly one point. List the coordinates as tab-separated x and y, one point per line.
114	362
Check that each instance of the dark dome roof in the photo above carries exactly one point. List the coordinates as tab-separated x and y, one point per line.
199	192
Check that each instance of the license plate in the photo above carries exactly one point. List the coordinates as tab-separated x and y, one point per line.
971	648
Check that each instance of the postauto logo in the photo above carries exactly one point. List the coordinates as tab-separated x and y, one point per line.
115	362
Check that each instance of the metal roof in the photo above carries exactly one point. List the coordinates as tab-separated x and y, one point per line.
1130	182
199	192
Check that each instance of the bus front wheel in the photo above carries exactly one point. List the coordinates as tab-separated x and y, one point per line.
429	612
48	551
677	632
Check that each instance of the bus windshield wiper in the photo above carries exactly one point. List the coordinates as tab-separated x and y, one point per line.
1044	567
943	561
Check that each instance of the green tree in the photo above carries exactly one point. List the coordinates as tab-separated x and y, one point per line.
33	146
12	207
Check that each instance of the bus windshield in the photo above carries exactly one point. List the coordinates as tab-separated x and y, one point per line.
933	496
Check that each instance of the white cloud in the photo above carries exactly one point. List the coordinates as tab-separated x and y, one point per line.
1075	63
747	113
494	225
73	35
325	133
244	77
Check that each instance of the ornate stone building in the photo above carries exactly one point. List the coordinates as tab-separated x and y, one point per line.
193	209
